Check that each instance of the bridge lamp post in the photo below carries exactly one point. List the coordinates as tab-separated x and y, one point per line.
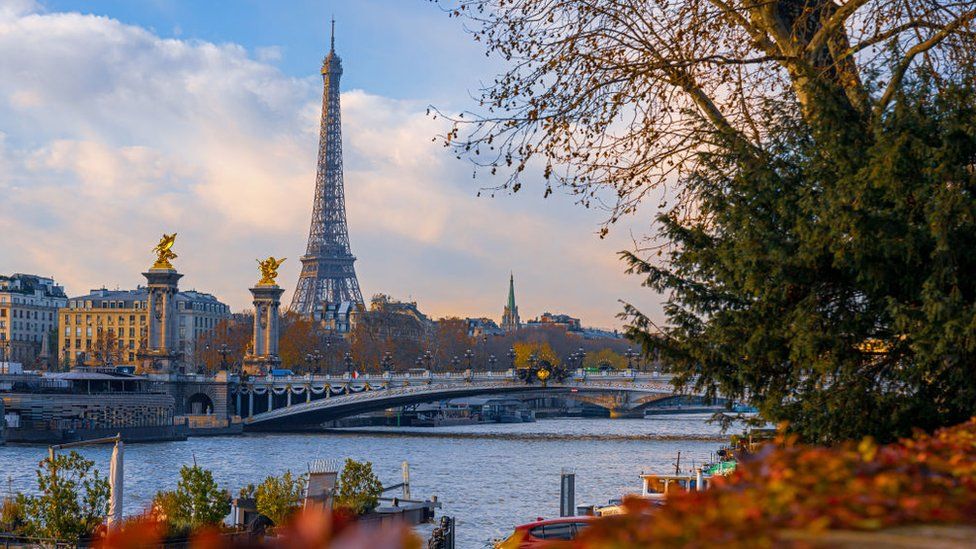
511	357
429	357
630	357
314	358
582	355
347	359
491	361
223	351
387	362
484	349
454	363
469	354
328	354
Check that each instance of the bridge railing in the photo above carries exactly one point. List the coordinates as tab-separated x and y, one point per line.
577	376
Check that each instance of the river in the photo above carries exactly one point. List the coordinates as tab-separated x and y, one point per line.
490	477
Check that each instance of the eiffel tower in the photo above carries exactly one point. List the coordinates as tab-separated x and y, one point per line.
328	275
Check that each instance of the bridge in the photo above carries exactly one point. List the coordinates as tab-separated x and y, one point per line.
305	402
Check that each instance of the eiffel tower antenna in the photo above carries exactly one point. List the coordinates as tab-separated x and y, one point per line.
328	275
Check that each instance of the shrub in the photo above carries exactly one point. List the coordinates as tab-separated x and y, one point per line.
197	501
279	497
73	499
359	489
791	487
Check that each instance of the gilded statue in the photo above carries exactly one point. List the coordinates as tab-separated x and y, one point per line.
269	270
164	252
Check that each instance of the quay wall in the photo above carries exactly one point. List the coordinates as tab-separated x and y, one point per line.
157	433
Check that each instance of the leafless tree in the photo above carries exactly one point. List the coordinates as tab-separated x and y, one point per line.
620	95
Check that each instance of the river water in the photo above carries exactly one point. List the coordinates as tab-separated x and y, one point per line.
490	477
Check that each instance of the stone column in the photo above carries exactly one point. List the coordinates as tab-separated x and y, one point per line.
161	354
264	346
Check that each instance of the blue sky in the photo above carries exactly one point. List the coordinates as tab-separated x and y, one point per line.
404	49
121	120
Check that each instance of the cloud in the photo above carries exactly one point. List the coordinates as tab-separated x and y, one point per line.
112	135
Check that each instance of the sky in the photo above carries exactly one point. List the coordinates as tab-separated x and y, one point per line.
122	120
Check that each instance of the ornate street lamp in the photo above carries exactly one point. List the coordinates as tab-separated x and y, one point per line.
468	355
454	363
328	353
582	355
511	357
347	359
420	361
491	361
533	360
484	349
429	357
314	358
630	357
387	362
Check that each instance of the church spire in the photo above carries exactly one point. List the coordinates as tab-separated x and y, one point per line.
511	291
510	317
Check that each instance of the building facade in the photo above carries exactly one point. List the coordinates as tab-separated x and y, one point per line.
510	317
28	317
549	319
111	326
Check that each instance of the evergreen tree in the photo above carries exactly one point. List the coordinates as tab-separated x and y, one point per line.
833	285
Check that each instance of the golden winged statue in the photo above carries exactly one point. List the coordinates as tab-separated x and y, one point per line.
269	270
164	252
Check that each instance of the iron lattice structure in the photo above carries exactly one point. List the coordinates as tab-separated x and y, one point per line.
328	275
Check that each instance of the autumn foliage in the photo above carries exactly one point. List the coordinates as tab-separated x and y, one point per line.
308	530
788	489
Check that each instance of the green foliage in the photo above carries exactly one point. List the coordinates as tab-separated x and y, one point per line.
72	500
359	489
278	497
12	515
197	501
833	284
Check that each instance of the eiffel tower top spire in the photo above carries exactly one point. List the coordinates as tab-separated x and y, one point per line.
328	276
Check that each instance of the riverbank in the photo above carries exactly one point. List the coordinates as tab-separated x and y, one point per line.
435	432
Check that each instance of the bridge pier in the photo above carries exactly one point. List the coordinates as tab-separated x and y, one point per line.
287	397
308	394
270	399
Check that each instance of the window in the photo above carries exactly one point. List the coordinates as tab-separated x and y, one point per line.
78	331
564	531
3	313
67	330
